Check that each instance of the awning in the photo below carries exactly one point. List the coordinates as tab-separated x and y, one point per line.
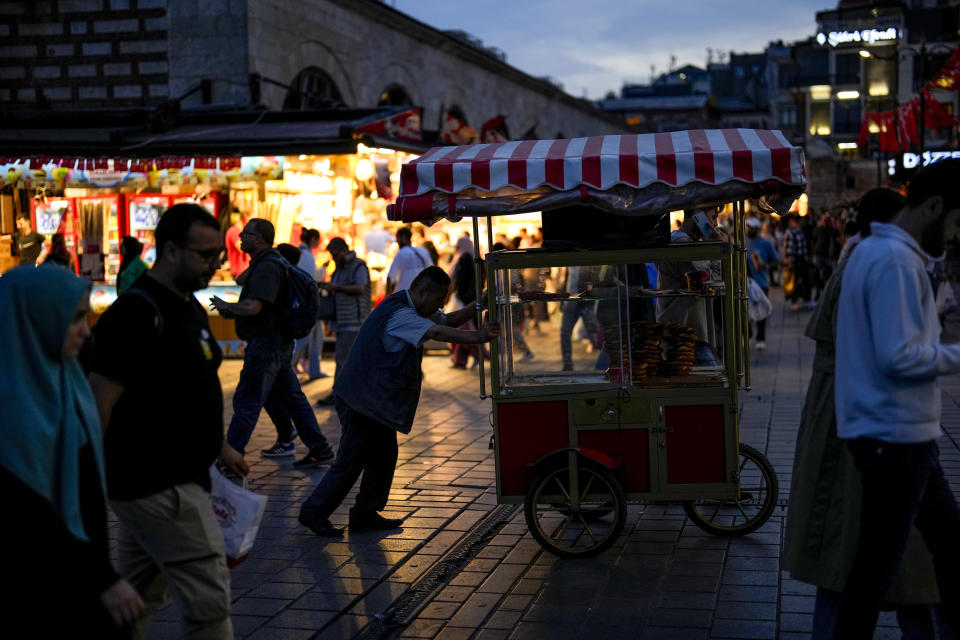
638	173
201	132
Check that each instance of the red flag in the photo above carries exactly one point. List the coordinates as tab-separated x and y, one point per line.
495	130
936	116
864	136
456	131
402	126
888	133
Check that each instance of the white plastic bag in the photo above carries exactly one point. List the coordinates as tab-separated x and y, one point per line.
239	512
946	300
760	306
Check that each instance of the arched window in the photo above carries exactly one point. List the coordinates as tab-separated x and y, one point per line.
394	95
313	88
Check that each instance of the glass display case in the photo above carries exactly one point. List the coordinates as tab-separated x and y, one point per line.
604	319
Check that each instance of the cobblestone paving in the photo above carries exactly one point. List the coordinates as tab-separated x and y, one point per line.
663	579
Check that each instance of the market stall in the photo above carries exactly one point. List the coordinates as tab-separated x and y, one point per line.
652	412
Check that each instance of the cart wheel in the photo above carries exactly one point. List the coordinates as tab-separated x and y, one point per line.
758	496
569	531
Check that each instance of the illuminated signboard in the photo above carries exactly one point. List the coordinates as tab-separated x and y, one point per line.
912	160
864	36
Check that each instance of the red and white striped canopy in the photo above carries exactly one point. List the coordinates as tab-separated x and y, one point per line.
711	157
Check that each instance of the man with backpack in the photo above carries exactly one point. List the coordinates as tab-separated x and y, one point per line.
270	313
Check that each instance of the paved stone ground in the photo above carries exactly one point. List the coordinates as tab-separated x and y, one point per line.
664	578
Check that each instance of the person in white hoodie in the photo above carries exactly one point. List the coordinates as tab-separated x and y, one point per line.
889	358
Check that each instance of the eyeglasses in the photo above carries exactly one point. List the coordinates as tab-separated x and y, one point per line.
210	255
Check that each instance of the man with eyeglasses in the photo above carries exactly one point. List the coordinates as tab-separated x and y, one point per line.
268	380
154	376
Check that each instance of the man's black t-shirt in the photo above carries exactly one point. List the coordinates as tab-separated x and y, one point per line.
29	247
264	283
167	427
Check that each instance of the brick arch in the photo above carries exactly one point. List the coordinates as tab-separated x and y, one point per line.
396	74
455	96
316	54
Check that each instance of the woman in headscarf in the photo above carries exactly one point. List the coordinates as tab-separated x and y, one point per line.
132	265
51	465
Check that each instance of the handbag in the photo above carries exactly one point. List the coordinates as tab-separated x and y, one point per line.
328	307
239	512
759	307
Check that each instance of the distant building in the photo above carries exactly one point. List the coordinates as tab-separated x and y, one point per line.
732	94
866	56
61	55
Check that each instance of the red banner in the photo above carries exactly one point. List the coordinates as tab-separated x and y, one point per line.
402	126
458	132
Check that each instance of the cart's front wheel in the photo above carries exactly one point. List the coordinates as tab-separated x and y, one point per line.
759	490
575	512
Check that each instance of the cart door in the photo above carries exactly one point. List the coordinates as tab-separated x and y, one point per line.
696	447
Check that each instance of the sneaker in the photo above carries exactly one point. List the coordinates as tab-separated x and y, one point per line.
373	521
811	304
527	357
316	459
795	307
279	450
761	345
319	525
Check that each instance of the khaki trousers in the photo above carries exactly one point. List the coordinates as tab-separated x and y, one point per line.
171	540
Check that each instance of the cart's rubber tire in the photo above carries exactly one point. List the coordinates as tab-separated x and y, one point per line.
554	523
757	500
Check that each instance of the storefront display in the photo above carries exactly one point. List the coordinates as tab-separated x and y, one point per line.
103	295
98	220
56	215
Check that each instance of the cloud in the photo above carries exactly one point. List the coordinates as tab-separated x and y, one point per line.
600	44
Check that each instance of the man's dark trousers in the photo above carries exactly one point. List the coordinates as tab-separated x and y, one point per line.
366	446
267	379
903	484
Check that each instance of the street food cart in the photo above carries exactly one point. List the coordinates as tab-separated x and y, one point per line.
646	409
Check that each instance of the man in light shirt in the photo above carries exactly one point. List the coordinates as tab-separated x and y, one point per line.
408	262
889	358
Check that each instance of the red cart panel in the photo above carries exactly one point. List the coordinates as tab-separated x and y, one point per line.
695	444
527	431
631	447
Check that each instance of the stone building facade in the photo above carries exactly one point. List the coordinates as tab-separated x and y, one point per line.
69	54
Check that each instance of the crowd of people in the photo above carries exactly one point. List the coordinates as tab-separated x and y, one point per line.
872	519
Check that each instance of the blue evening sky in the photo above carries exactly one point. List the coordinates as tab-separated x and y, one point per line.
593	46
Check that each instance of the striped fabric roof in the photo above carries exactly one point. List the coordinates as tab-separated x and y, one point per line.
676	158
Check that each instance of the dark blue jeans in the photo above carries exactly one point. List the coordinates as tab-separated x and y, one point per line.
367	447
572	311
268	381
903	484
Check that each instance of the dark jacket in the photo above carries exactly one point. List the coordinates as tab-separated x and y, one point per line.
382	385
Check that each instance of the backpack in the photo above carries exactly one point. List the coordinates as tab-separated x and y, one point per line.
298	307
